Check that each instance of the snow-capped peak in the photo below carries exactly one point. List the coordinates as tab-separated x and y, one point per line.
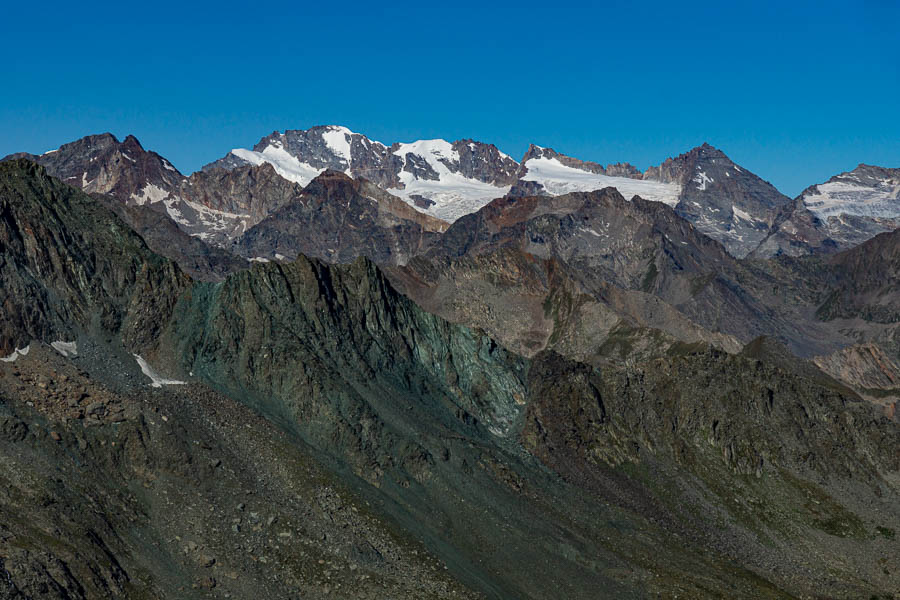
865	192
337	138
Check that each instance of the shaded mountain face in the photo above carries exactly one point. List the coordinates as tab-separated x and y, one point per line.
69	266
200	260
332	435
866	282
847	210
585	429
338	219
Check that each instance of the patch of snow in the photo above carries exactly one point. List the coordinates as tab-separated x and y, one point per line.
204	222
16	354
168	165
280	256
128	157
84	180
155	378
259	259
67	349
286	164
557	179
150	193
337	139
701	179
50	152
174	212
739	214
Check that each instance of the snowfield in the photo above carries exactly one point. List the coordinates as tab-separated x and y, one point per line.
286	164
847	198
559	179
453	194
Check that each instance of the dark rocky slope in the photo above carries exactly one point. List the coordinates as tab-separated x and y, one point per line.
68	266
338	219
736	454
139	493
200	260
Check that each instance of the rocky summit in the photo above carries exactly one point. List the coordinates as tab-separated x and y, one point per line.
329	367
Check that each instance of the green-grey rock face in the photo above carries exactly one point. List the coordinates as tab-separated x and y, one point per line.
345	336
69	264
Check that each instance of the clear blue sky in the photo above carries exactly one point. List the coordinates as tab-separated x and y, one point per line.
795	91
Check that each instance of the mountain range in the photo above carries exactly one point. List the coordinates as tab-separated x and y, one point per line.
330	367
448	180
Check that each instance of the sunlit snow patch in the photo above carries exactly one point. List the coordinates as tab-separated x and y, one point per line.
16	353
559	179
286	164
150	193
67	349
157	380
739	214
336	138
701	179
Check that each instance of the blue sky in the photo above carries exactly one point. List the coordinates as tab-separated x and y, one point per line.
794	91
